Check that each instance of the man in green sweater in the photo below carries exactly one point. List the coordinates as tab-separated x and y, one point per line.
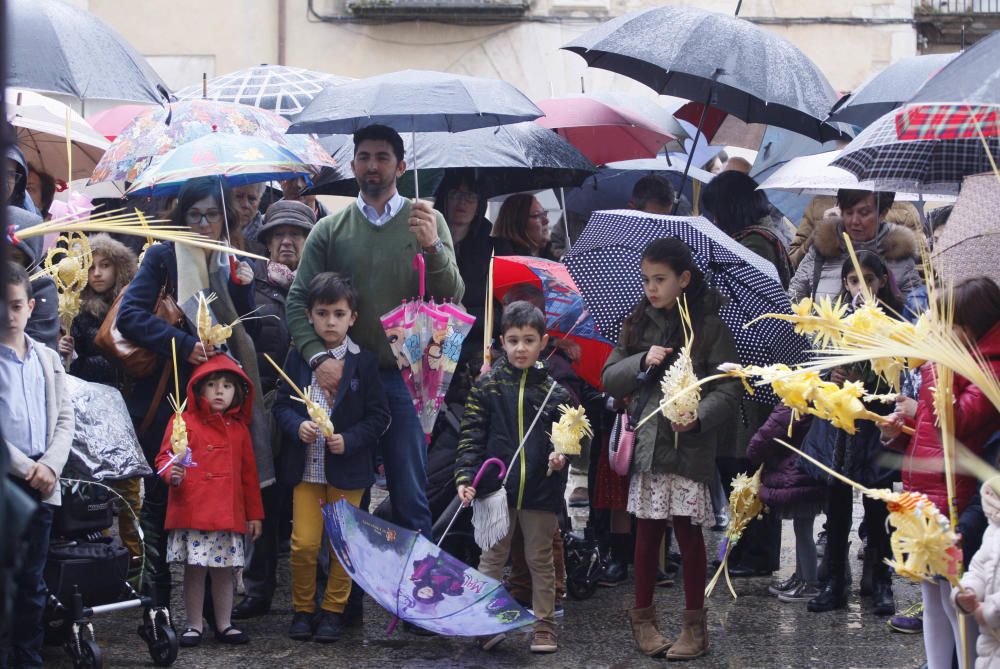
374	240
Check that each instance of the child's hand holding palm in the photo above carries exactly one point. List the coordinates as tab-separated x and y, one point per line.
969	605
335	444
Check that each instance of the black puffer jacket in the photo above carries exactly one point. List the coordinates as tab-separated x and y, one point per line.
273	338
501	404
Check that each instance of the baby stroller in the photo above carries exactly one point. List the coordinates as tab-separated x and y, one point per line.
87	575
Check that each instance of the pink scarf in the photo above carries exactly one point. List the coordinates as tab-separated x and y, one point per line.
280	275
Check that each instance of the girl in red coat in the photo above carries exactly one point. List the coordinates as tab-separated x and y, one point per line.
216	500
977	322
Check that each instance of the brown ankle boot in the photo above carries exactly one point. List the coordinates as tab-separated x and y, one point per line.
644	631
693	641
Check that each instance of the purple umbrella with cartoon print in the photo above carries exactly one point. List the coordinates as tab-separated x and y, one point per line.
417	581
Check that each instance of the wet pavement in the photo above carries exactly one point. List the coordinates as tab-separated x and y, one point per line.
756	630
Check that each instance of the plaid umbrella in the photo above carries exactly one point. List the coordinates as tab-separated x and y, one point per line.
283	90
963	95
604	262
970	244
928	165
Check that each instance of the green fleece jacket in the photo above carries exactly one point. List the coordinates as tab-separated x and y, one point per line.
380	263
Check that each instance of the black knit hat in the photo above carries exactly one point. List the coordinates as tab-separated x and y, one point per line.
286	212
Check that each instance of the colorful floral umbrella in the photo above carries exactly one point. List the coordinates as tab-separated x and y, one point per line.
415	580
426	339
238	159
566	313
157	130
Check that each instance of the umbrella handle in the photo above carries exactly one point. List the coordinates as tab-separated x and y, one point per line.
420	265
501	465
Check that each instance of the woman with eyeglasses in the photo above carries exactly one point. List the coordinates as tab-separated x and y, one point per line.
522	228
182	272
459	197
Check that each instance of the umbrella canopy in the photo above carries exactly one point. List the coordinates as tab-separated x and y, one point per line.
238	159
604	261
726	62
814	175
160	129
643	106
415	101
56	47
928	166
111	122
611	186
722	129
415	580
508	159
42	125
961	100
888	89
281	89
602	132
970	243
566	314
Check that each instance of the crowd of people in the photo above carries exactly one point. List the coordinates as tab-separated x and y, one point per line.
263	461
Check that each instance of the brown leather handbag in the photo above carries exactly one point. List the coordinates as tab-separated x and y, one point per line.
136	361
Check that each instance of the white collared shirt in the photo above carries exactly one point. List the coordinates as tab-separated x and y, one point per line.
392	208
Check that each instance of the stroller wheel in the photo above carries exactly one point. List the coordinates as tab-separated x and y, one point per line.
580	589
90	656
583	568
163	648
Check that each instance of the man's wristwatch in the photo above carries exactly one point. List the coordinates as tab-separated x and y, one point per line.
434	248
320	359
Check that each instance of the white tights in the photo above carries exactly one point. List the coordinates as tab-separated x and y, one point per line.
194	595
941	634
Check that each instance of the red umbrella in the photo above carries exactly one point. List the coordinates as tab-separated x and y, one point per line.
602	132
112	121
566	315
722	129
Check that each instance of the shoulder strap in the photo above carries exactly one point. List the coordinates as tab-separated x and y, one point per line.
154	405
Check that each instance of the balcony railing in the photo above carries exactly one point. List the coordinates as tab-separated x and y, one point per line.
956	6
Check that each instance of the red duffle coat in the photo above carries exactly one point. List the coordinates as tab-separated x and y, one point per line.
222	492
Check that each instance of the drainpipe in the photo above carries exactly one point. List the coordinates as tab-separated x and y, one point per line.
282	31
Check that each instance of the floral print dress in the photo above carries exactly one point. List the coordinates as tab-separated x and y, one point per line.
217	548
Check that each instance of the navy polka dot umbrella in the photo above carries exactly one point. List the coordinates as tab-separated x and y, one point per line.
604	262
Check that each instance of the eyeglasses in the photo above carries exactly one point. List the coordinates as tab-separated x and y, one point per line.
539	214
463	196
210	217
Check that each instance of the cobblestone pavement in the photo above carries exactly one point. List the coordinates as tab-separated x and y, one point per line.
753	631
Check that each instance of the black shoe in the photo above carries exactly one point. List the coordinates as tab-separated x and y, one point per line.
251	607
326	627
832	597
739	571
301	628
615	573
663	580
883	603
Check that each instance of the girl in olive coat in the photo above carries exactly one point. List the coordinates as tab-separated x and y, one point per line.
668	482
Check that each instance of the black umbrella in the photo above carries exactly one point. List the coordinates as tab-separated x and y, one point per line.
55	47
719	60
507	159
284	90
416	101
604	263
915	166
888	89
725	61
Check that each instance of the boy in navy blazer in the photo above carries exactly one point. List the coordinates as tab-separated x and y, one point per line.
327	468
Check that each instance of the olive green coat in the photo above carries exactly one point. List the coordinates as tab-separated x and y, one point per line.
718	410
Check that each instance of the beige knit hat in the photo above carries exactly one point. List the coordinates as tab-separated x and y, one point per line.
287	212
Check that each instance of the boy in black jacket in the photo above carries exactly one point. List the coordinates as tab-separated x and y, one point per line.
501	407
327	467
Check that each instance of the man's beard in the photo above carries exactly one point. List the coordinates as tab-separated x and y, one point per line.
374	188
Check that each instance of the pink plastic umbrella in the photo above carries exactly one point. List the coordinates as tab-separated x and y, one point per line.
111	122
602	132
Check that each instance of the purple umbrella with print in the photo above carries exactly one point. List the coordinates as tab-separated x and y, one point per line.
415	580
